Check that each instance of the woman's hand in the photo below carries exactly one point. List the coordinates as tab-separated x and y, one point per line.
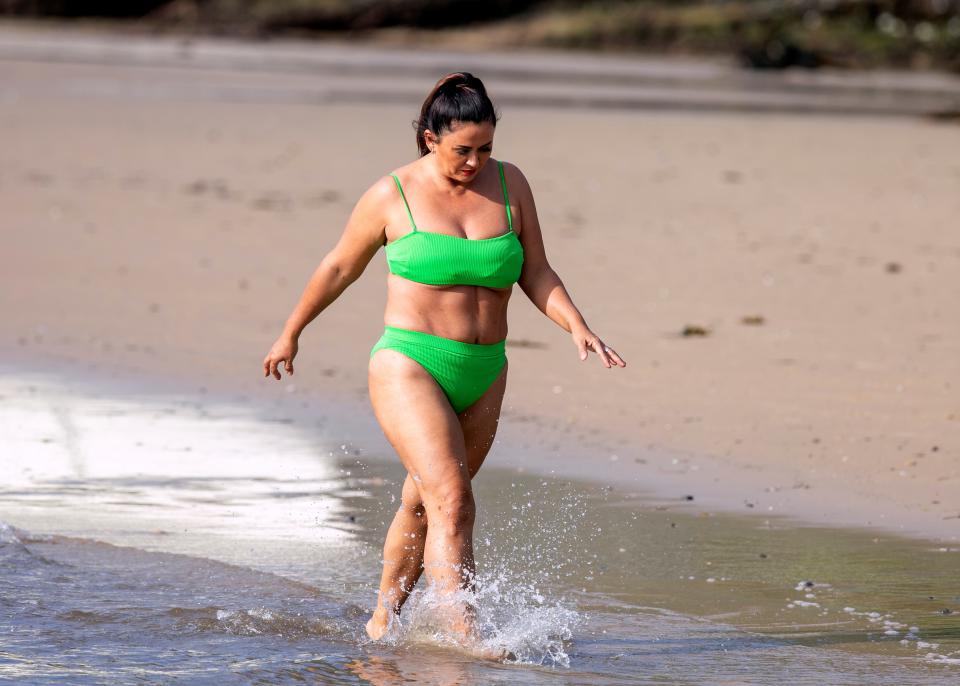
586	340
284	350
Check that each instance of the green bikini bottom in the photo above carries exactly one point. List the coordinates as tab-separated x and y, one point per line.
464	370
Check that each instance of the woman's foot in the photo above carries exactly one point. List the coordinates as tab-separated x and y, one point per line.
478	650
378	625
461	625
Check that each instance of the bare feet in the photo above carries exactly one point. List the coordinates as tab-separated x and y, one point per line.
461	623
378	625
478	650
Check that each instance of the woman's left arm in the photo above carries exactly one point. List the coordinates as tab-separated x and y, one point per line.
542	284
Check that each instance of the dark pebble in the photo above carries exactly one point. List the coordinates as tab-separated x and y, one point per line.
694	330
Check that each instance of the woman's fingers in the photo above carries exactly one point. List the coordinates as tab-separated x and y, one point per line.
611	356
271	364
616	358
591	342
282	351
602	351
582	347
608	356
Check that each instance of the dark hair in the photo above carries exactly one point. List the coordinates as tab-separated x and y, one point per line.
459	96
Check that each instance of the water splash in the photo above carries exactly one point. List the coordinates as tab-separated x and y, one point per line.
517	611
8	535
513	621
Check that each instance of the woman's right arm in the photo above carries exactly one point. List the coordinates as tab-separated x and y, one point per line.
362	237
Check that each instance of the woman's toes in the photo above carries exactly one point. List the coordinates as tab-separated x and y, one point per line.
375	629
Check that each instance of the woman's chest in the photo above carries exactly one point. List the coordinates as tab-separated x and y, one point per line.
474	219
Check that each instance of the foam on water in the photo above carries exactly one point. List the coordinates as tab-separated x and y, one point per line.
882	624
8	535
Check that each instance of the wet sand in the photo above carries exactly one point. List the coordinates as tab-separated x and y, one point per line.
159	228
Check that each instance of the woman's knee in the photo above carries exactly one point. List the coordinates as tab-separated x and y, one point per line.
452	507
410	500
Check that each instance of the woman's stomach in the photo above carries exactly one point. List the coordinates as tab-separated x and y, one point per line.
472	314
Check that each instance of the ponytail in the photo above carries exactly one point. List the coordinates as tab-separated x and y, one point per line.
460	97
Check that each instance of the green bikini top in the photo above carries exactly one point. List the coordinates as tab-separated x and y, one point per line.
439	259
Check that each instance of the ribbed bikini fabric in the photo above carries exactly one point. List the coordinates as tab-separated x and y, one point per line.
464	371
440	259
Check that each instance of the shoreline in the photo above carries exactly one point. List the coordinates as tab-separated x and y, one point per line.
667	479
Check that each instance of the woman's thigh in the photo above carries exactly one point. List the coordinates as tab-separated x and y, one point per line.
479	423
417	419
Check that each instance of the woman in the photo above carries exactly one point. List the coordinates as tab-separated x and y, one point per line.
459	232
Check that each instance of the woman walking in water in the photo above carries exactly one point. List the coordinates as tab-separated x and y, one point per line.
458	233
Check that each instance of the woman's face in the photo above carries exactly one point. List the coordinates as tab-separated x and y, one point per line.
462	151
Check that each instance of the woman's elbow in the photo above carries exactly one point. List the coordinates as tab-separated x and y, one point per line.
339	271
535	278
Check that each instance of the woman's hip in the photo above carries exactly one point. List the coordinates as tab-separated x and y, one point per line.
463	370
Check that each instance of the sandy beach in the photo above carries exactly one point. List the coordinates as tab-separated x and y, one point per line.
158	227
776	257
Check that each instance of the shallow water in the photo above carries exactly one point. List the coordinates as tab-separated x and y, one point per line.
147	540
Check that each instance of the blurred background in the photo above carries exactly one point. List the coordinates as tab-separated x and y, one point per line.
762	34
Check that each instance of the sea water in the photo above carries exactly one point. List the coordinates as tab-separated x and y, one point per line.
151	539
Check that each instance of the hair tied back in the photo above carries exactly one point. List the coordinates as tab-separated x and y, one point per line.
457	97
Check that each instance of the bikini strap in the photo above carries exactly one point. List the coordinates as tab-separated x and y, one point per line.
506	198
409	213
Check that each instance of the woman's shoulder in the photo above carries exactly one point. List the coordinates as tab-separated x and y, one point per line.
404	172
514	176
512	171
378	195
386	185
